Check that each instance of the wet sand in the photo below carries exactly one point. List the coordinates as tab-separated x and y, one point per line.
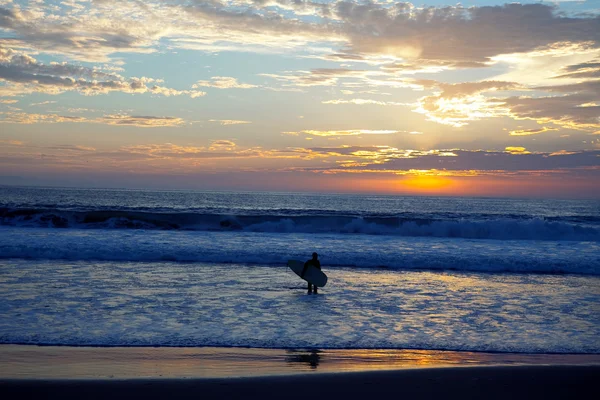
229	373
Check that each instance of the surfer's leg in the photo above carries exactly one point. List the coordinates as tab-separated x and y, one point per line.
315	291
309	287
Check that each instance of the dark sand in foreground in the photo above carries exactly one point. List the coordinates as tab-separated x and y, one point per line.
539	382
217	373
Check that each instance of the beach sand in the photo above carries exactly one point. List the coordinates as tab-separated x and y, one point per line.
233	373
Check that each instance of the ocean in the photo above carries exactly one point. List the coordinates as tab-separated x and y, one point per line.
107	267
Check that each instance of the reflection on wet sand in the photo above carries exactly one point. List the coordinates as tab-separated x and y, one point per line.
51	362
311	358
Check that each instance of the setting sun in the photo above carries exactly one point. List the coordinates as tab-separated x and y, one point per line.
427	183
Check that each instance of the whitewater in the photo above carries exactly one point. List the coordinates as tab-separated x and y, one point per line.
180	268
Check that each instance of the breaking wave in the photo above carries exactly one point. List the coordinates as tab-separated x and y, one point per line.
275	249
505	227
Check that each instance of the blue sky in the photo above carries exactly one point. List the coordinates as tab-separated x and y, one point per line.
355	96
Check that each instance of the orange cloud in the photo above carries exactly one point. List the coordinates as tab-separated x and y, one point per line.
526	132
517	150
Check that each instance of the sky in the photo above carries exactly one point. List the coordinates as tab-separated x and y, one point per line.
477	98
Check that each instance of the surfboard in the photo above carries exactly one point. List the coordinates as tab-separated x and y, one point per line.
312	275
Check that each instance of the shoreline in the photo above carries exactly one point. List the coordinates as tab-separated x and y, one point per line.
32	362
29	371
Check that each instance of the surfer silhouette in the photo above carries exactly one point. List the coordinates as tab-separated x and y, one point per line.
313	261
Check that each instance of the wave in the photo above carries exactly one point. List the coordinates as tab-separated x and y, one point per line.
269	249
502	227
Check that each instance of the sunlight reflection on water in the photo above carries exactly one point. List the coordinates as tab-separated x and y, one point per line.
175	304
49	362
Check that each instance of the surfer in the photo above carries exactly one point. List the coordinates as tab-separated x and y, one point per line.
313	261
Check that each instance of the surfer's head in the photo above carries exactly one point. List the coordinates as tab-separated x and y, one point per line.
315	256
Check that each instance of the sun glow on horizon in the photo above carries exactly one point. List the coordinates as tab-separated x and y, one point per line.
427	183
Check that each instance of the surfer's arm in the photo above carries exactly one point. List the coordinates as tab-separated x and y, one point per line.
304	269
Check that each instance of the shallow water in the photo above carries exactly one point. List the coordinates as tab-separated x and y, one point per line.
196	304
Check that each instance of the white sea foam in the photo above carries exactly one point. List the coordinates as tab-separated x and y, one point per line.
475	227
275	249
469	218
196	304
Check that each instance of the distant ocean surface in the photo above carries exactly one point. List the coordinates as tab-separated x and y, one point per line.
182	268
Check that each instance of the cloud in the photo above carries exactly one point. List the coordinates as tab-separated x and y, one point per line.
458	104
426	66
546	66
317	77
25	118
43	103
4	101
452	161
218	149
15	62
450	36
80	109
397	38
229	121
535	131
227	145
517	150
352	132
143	159
459	34
168	92
225	26
117	119
223	82
349	78
577	109
364	102
89	34
106	27
141	121
23	74
12	142
216	156
581	71
576	106
76	148
343	57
